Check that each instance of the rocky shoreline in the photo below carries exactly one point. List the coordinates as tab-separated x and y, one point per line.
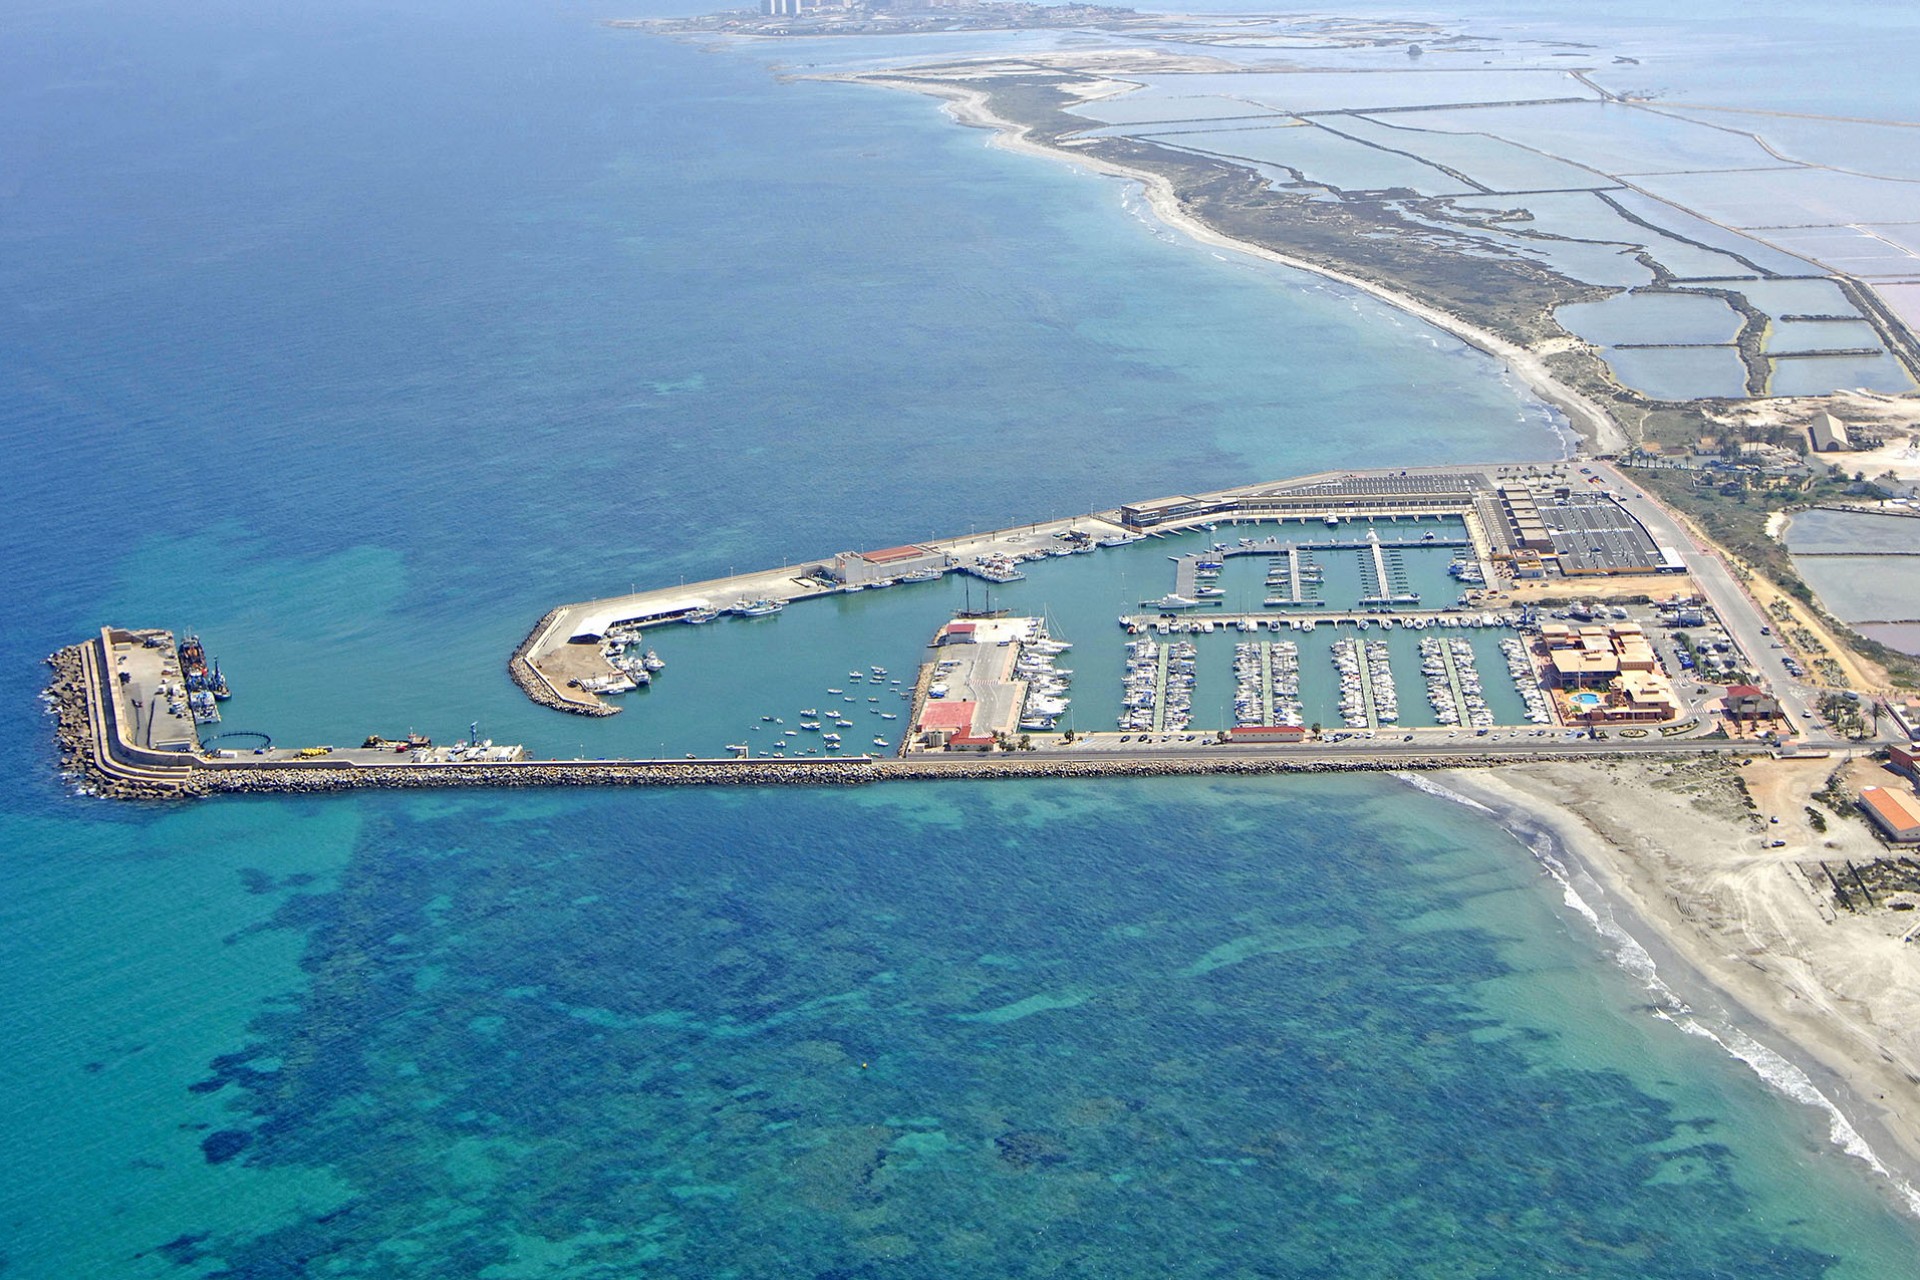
535	686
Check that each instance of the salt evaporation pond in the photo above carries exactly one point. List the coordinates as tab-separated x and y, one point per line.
1835	552
1652	319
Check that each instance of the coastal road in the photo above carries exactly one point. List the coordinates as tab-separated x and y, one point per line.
1410	755
1739	613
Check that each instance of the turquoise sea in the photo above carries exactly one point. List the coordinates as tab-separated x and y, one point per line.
354	339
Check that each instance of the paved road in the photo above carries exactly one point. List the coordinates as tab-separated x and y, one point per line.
1738	611
1350	753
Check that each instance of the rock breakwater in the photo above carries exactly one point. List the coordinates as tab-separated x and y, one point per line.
86	746
536	686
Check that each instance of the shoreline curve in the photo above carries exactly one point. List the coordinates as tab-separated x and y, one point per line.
972	108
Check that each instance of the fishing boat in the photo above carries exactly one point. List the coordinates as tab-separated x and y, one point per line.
757	608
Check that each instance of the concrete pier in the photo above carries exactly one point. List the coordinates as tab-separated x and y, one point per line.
559	654
1453	681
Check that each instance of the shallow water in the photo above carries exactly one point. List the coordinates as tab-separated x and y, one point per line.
1682	373
1820	375
1021	1029
1324	155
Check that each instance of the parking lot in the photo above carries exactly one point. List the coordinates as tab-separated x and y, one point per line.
1592	534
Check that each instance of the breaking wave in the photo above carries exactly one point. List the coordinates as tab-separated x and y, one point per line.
1626	951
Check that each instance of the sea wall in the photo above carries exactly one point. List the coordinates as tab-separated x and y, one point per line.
87	752
84	737
538	687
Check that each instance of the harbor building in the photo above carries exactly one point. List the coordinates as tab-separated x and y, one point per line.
974	691
1905	714
872	568
1267	733
1608	674
594	627
1525	529
1897	816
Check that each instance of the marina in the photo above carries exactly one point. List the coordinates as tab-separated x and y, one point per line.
1325	600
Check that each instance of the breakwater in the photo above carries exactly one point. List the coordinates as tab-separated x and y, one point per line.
537	687
85	738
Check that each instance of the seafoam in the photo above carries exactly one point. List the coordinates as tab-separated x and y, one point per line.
1581	892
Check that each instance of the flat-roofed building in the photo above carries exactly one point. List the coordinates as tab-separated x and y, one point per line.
864	568
1525	528
1903	762
1579	668
1146	515
1636	654
1608	674
1267	733
1648	696
1905	714
1897	816
591	628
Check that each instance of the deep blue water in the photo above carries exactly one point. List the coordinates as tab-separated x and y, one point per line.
356	339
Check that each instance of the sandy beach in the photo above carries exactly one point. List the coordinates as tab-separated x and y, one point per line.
971	107
1687	867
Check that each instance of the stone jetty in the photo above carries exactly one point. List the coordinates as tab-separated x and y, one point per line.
538	687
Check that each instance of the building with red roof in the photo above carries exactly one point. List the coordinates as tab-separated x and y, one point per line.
1896	815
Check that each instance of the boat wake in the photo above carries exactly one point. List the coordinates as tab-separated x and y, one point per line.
1584	896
